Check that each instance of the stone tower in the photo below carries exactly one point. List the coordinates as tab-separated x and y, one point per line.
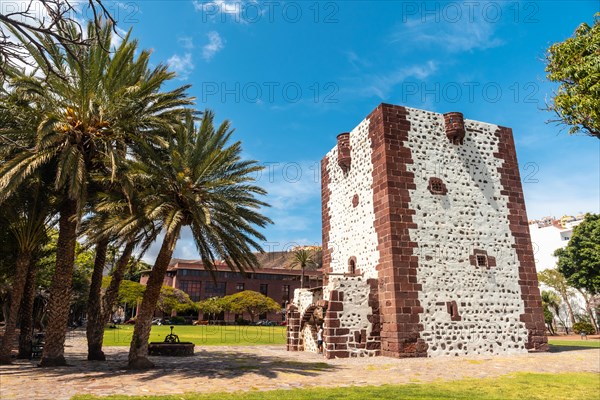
426	247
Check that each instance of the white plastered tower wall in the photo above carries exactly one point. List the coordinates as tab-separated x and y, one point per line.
352	232
417	248
472	215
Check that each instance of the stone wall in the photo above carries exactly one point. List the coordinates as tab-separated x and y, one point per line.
304	309
348	195
350	330
430	209
472	216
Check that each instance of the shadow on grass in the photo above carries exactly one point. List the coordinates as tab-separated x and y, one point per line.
204	364
554	348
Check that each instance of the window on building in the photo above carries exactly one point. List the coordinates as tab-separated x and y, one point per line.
214	289
482	260
352	266
437	186
264	288
192	288
239	287
286	292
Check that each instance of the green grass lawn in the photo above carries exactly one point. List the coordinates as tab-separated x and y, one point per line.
575	343
579	386
203	335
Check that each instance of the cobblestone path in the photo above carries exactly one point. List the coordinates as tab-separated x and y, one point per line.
215	369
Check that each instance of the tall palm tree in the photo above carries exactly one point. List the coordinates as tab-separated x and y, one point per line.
110	212
28	213
26	311
303	258
28	210
96	106
198	180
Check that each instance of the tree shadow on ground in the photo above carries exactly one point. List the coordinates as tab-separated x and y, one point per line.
209	364
560	348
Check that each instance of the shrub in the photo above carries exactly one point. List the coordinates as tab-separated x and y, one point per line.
177	320
586	327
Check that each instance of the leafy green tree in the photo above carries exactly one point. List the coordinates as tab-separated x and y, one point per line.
172	299
579	261
129	292
557	281
107	103
584	327
303	258
198	180
575	65
250	302
211	306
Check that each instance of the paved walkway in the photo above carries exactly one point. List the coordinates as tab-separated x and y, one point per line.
261	368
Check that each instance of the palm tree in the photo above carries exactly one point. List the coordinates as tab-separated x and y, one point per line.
550	301
27	213
26	311
94	108
303	258
197	180
111	212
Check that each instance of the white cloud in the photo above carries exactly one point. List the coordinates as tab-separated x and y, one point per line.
453	37
186	42
382	84
117	38
214	45
182	65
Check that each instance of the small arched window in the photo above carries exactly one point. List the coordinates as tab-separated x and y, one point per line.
352	266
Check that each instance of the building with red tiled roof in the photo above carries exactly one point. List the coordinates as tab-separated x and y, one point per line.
274	279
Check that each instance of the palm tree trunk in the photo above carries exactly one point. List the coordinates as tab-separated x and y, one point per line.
138	351
94	305
60	288
95	331
18	286
26	322
112	292
302	278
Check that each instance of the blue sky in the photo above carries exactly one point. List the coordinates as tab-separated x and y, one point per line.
291	75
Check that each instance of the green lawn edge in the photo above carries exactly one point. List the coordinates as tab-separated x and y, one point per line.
574	343
203	335
580	386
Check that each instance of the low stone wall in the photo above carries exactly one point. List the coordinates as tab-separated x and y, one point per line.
352	318
181	349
